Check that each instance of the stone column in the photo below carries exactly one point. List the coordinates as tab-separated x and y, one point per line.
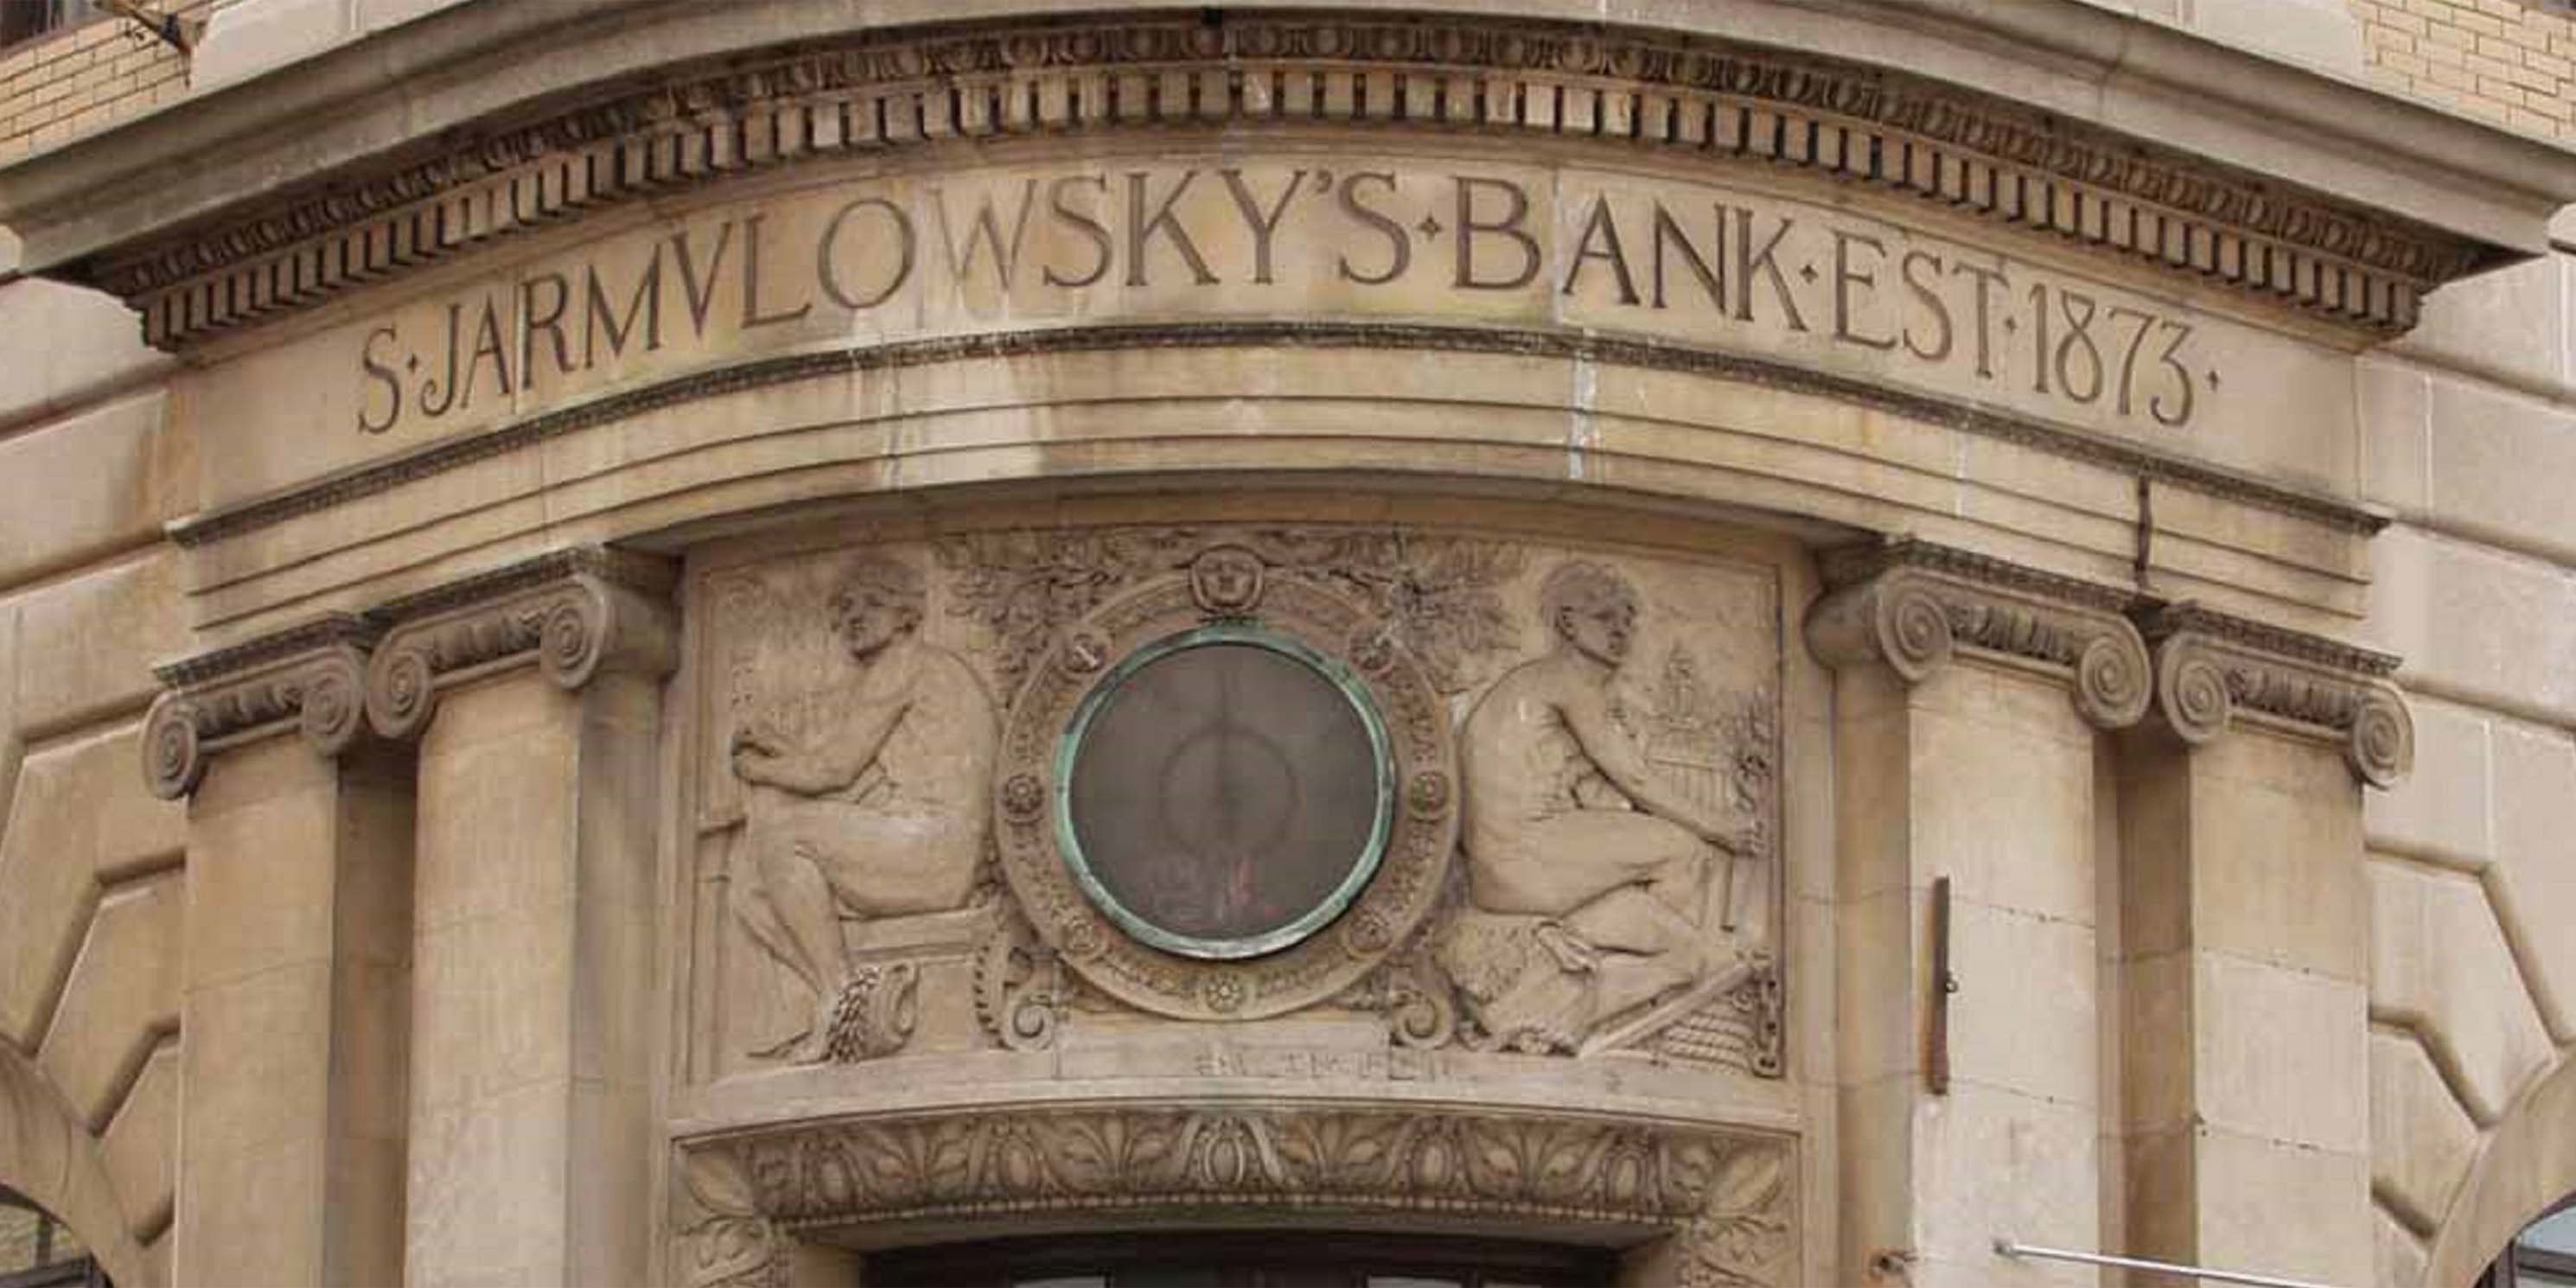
1970	1099
2245	911
293	1012
535	695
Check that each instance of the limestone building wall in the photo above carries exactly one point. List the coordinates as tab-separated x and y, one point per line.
93	885
2194	1018
2469	442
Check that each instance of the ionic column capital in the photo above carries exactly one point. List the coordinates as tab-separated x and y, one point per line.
1914	605
573	614
310	678
2213	669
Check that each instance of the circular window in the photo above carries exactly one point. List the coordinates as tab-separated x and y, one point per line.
1224	792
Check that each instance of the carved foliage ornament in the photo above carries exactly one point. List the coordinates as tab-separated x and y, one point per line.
891	89
1913	605
1726	1197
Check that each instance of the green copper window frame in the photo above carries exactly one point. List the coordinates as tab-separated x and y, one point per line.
1365	866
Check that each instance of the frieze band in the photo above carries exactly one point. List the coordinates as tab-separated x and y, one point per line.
2013	165
1725	1197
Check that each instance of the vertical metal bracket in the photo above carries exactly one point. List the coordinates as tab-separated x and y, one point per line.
1936	1029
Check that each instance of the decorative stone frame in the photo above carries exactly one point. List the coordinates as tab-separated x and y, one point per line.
1702	1206
1395	899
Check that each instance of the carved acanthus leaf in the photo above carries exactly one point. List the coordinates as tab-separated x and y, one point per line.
1726	1195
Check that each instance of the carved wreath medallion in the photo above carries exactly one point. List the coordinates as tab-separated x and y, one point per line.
1326	947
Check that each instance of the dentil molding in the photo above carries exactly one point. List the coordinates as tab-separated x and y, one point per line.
1665	93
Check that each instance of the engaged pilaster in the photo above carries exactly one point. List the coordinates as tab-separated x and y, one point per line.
293	1012
1969	696
2244	909
535	695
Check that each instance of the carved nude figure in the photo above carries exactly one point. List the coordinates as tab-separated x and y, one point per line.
1587	871
873	804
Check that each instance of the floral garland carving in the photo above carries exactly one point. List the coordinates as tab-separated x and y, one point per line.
1727	1197
896	88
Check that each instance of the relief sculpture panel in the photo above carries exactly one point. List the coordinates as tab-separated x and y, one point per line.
970	792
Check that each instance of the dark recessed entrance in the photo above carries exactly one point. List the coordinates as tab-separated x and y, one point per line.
1245	1259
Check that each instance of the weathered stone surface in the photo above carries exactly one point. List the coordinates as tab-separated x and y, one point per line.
87	644
2534	879
2401	1257
2511	322
2443	807
2280	1054
2439	962
91	484
2476	624
121	997
255	1062
2493	456
91	344
82	816
2394	405
2420	1139
142	1144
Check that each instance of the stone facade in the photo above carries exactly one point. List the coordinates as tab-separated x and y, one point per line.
1858	633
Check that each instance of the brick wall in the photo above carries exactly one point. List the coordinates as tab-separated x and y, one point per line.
76	81
2512	62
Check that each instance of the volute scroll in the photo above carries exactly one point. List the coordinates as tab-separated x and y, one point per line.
1913	605
309	679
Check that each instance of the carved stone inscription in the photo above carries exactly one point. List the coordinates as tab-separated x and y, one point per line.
1570	818
1322	237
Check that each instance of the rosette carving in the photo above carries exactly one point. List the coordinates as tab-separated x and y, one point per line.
306	678
1914	606
2213	669
571	614
1725	1197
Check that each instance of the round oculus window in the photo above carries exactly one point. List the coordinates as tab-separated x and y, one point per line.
1225	792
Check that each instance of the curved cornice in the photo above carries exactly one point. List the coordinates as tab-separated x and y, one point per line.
2033	171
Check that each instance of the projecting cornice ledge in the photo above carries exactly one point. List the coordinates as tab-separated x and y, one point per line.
1914	606
2051	120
